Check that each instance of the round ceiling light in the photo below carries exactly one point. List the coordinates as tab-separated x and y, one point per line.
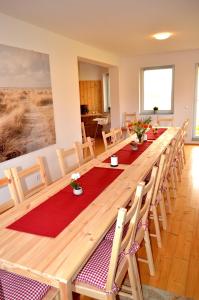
162	35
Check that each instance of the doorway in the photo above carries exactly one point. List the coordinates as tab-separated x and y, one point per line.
94	90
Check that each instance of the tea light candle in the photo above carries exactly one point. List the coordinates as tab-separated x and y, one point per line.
114	161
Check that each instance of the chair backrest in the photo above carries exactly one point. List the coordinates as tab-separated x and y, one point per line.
84	151
109	139
184	128
137	214
163	169
164	121
67	160
23	189
83	132
146	190
129	117
8	182
118	134
176	143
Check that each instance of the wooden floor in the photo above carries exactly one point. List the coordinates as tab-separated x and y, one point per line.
177	262
99	146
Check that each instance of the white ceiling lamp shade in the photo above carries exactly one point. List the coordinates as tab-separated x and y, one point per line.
162	35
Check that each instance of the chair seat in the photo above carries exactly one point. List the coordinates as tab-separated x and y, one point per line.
110	234
17	287
95	271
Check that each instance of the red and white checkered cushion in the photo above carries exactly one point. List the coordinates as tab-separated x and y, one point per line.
110	234
16	287
95	271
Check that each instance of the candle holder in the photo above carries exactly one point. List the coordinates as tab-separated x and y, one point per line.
114	161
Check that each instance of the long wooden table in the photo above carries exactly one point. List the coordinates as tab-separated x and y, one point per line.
56	261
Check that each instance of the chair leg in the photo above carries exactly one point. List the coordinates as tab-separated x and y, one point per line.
168	196
110	296
173	183
157	226
137	277
163	212
175	175
181	159
184	156
149	253
178	168
133	277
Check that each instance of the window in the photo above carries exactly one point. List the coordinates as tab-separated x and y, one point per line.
157	89
196	110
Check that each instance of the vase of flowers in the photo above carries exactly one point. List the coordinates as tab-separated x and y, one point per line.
77	189
140	128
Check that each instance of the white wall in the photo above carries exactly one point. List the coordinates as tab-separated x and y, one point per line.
90	72
184	82
64	55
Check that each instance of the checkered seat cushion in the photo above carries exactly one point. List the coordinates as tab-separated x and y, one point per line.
110	234
16	287
95	271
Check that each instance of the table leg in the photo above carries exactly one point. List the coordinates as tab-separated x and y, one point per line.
65	291
96	131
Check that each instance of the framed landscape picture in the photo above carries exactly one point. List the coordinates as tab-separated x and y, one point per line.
26	103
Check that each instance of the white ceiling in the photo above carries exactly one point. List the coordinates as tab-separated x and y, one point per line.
121	26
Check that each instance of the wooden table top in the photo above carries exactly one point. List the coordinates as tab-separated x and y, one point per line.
55	260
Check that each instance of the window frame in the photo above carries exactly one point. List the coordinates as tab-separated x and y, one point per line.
159	112
194	136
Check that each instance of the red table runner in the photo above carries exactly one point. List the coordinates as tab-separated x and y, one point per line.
126	155
53	215
152	136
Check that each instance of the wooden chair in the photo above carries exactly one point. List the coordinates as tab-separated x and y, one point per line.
8	182
118	135
109	139
15	286
175	164
179	154
84	151
184	133
161	186
164	121
23	189
173	168
63	155
129	117
104	272
179	159
84	137
171	173
143	224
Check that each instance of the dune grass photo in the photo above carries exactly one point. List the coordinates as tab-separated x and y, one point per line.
26	103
